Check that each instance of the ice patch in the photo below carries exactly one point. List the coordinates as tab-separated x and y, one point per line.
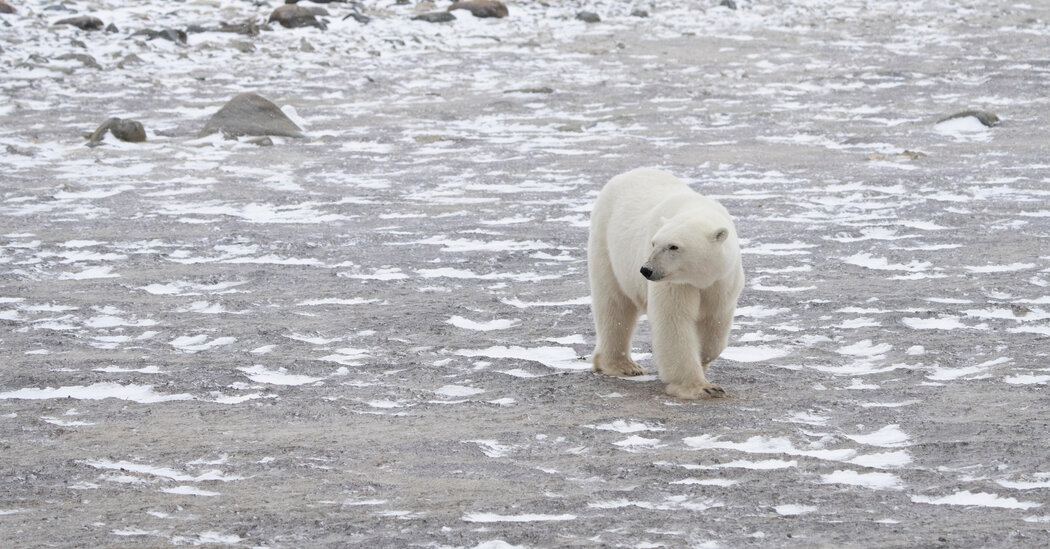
889	436
458	391
869	261
624	426
578	302
964	129
90	273
163	472
189	491
940	323
260	374
635	440
493	517
791	510
560	358
874	481
766	445
756	353
979	499
1027	379
193	344
865	348
136	393
497	324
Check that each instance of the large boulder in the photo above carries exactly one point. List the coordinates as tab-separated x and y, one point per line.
251	114
291	16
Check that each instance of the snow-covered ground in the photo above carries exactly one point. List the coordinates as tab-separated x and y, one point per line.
377	335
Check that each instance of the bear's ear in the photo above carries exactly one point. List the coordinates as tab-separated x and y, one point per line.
721	235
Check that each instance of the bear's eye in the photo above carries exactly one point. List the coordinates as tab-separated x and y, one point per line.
673	248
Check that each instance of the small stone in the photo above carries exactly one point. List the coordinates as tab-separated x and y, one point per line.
125	130
251	114
481	8
249	28
84	58
588	17
175	35
6	8
435	17
639	13
292	16
359	17
731	4
984	117
304	45
83	22
541	89
242	46
130	59
263	141
111	28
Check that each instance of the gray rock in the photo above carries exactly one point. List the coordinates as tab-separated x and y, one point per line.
987	118
435	17
292	16
639	13
731	4
175	35
251	114
359	17
6	8
82	22
84	58
588	17
131	131
481	8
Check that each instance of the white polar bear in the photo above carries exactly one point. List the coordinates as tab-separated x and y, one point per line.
659	247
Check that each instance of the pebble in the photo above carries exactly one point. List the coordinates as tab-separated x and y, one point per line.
292	16
175	35
251	114
588	17
83	22
131	131
987	118
6	8
435	17
731	4
481	8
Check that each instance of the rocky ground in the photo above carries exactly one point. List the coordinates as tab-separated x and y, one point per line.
376	334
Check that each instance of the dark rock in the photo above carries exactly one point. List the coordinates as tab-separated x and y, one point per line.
435	17
84	58
639	13
292	16
481	8
195	29
542	89
6	8
731	4
111	28
249	28
130	59
263	141
251	114
588	17
125	130
175	35
359	17
987	118
83	22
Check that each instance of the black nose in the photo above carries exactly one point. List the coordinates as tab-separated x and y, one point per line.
647	272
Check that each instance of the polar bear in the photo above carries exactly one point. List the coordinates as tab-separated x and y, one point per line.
658	247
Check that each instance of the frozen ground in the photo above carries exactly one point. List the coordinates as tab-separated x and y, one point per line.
376	335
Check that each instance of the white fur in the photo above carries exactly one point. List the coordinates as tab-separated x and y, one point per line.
648	218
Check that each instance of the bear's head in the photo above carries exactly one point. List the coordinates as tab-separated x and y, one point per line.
691	252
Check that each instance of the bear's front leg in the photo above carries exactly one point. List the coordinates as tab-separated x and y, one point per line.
673	312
